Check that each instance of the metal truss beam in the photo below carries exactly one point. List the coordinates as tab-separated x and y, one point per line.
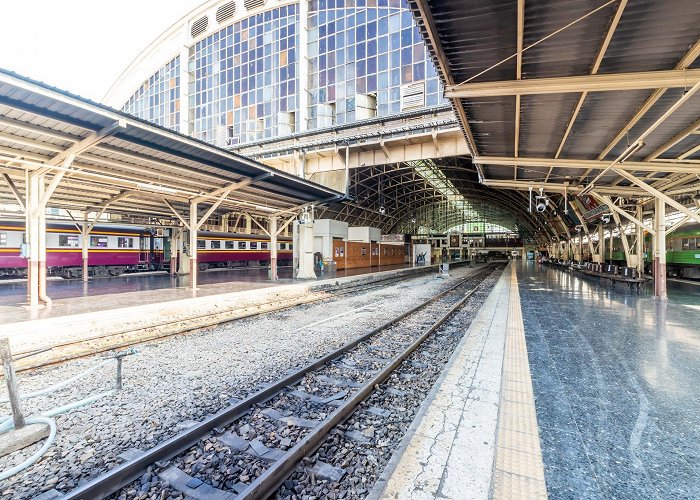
588	83
632	166
658	194
619	211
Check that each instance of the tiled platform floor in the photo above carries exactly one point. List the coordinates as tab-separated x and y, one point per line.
616	378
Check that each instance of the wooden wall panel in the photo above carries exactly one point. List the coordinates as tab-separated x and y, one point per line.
355	254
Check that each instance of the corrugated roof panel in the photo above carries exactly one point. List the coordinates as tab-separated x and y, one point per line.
543	120
570	52
652	35
492	123
679	120
602	115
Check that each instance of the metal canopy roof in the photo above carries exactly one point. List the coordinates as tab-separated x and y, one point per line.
126	164
551	93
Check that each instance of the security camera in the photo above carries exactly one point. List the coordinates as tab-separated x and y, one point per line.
579	228
605	218
304	218
382	210
541	203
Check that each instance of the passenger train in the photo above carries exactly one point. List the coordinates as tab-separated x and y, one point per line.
682	252
114	250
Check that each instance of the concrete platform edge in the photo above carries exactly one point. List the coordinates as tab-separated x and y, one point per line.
490	305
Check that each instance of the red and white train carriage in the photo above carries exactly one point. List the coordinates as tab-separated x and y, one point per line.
239	249
114	250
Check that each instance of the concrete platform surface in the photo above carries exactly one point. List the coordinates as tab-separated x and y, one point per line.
615	377
75	297
451	449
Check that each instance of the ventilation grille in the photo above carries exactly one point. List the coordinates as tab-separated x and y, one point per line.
413	96
253	4
225	11
199	26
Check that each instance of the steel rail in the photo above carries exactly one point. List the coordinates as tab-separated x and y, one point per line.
268	482
127	472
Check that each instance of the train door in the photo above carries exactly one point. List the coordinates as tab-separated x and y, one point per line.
167	243
144	251
158	251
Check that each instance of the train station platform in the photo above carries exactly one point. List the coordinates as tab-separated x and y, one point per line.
563	386
73	296
164	308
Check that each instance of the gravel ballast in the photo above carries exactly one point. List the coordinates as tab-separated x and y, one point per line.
172	382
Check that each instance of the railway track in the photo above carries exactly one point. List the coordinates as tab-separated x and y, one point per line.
251	448
120	339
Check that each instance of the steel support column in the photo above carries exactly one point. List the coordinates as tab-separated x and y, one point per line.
43	297
273	248
84	246
660	250
193	244
640	243
580	247
32	197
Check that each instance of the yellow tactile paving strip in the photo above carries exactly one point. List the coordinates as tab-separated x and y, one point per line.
518	471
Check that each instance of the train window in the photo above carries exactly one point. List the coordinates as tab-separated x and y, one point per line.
692	243
201	244
215	244
283	246
65	240
241	245
97	241
124	242
3	239
253	245
386	251
364	251
263	245
229	245
289	246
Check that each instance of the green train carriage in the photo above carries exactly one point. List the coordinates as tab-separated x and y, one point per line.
682	252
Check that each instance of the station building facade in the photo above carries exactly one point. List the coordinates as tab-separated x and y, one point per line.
236	72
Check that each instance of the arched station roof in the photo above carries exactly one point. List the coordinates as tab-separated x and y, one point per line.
438	194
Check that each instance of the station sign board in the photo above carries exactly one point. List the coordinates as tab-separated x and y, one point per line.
589	207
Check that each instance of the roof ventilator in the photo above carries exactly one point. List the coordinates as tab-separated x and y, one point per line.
225	11
253	4
199	26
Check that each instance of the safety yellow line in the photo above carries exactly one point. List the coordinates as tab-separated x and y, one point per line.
519	470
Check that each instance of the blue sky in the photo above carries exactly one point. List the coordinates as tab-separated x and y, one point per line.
82	45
